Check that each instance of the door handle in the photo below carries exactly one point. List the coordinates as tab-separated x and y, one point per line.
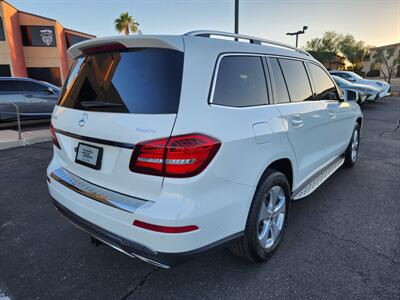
297	122
28	96
332	115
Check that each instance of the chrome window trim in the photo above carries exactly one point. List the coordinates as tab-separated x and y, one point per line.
108	197
268	77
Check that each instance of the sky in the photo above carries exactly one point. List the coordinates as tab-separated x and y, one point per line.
377	22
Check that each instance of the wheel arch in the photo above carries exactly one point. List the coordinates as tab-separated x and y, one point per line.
283	165
359	121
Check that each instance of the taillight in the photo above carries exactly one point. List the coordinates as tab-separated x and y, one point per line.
54	137
177	156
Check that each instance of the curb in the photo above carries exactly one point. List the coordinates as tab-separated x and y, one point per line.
28	138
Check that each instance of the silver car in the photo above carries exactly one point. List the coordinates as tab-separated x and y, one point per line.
365	92
33	98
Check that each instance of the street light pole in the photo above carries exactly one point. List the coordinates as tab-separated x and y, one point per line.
297	33
236	16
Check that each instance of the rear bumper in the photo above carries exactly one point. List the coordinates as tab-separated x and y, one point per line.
134	249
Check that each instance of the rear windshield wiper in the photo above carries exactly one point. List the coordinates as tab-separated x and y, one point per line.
89	104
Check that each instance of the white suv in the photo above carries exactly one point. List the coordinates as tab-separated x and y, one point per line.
166	146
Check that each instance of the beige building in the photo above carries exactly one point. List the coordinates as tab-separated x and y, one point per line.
34	46
369	63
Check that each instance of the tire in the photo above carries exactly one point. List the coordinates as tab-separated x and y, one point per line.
351	154
257	244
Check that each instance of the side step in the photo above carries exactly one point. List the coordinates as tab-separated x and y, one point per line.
319	178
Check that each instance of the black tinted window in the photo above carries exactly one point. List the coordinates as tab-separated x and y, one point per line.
38	36
72	39
323	85
10	86
51	75
296	79
2	36
33	87
5	71
144	81
240	82
280	89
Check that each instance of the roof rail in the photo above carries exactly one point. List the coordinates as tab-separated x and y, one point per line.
251	39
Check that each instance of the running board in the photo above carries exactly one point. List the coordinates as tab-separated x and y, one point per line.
319	178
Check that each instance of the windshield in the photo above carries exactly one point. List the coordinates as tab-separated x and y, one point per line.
340	81
355	75
141	81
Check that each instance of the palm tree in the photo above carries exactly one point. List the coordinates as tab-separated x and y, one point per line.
126	23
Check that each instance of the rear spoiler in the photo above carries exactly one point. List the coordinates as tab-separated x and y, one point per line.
174	42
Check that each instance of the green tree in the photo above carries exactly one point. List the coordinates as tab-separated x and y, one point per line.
332	42
126	23
328	42
382	57
355	51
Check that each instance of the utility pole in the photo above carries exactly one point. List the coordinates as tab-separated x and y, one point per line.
297	33
236	16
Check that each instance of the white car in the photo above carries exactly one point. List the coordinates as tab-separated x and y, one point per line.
365	92
382	86
166	146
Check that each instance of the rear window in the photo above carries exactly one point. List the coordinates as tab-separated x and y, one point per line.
141	81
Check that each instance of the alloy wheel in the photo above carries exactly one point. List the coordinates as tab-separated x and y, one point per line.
271	217
354	146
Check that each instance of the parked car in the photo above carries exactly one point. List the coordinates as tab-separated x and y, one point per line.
35	99
365	92
166	146
382	86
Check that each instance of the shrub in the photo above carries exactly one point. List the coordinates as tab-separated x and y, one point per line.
373	73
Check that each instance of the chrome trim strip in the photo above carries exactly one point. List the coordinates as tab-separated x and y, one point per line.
95	140
97	193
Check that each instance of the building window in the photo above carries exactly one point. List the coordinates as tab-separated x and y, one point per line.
72	39
5	71
2	36
38	36
51	75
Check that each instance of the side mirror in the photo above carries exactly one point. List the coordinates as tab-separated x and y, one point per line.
49	90
350	95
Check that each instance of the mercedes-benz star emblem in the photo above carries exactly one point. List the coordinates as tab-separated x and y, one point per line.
83	120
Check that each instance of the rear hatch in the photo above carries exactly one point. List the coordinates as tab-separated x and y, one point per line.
116	95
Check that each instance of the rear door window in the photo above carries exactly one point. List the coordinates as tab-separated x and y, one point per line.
33	87
323	84
240	82
280	90
140	81
296	79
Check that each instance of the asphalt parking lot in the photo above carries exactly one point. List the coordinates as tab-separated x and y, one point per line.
343	241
